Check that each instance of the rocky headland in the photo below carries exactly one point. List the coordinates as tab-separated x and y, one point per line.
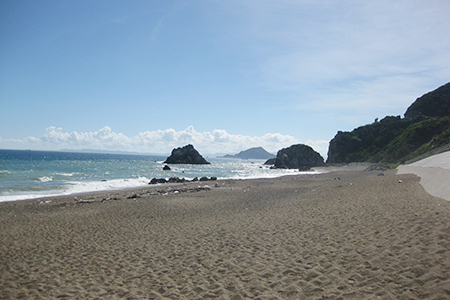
394	140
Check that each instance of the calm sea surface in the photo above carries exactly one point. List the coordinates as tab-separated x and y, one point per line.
33	174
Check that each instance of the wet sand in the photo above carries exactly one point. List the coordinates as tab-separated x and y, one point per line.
340	235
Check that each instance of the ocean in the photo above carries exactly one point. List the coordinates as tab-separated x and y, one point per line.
33	174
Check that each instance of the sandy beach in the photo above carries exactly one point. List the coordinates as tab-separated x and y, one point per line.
339	235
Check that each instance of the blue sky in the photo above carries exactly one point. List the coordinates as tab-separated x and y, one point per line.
148	76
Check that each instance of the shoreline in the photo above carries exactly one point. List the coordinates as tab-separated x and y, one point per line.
344	234
140	186
318	170
121	192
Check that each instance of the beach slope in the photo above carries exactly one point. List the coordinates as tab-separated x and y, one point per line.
339	235
434	173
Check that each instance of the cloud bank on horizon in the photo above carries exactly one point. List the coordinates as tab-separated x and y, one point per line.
157	142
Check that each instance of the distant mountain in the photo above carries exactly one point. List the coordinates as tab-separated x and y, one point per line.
252	153
394	140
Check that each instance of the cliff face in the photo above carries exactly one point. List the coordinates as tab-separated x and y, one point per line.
299	156
432	104
393	140
365	143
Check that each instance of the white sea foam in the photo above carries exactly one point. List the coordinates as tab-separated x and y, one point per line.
45	179
79	187
25	196
92	186
65	174
275	174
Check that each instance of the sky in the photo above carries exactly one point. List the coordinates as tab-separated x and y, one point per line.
225	76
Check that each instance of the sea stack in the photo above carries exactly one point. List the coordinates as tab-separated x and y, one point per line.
299	156
186	155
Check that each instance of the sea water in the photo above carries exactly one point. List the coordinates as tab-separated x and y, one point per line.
34	174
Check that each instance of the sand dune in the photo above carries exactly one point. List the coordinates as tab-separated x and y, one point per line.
347	235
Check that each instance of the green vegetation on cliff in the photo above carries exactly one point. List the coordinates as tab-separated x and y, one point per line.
432	104
394	140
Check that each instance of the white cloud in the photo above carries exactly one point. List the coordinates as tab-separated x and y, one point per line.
159	141
354	56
